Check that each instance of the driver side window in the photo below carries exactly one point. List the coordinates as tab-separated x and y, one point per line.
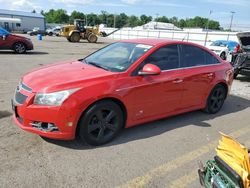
166	58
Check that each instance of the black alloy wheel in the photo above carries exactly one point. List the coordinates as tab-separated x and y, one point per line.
101	123
216	99
19	48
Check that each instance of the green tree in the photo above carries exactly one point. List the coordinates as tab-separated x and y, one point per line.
103	17
57	16
133	21
76	15
162	19
145	19
42	12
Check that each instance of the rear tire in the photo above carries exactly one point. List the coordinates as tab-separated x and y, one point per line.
75	37
101	123
223	56
19	48
92	38
216	99
235	75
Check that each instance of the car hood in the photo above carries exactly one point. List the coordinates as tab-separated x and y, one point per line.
62	76
19	37
244	39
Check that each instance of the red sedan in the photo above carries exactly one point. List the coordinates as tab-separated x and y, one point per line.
16	43
119	86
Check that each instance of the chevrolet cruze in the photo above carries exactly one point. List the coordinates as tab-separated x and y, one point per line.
121	85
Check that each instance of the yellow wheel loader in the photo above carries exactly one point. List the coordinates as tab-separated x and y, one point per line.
78	31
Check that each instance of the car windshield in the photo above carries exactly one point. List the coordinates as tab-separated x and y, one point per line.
219	43
3	32
117	57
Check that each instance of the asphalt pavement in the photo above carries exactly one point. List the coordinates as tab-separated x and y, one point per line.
162	153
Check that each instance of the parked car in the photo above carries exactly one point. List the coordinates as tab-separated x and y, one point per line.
37	31
54	31
242	60
223	47
122	85
16	43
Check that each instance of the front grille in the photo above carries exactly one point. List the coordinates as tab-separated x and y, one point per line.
20	98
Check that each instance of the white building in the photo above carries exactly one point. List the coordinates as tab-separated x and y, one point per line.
21	21
158	26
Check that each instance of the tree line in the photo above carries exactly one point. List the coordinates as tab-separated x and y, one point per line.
60	16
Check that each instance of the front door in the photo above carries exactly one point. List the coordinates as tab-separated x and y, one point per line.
158	95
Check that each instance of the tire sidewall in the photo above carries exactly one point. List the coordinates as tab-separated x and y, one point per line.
208	107
18	43
83	123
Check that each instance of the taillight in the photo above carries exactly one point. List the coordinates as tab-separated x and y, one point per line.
237	48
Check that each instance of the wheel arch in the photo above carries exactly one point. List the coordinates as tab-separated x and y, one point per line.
113	99
15	42
73	31
224	85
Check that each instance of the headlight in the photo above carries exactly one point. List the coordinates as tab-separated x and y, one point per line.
53	99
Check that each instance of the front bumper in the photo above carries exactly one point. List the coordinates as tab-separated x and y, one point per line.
64	117
30	46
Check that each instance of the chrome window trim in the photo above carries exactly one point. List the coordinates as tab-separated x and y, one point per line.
184	68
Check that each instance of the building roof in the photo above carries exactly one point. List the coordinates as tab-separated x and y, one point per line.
10	20
20	13
160	25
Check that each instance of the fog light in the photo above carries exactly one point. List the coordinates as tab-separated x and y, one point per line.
42	126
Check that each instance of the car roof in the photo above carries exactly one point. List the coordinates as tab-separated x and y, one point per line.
150	41
161	42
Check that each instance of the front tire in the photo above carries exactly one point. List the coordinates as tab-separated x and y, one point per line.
19	48
75	37
216	99
101	123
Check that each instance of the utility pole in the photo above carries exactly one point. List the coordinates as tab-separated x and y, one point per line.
86	20
210	12
231	22
114	20
156	25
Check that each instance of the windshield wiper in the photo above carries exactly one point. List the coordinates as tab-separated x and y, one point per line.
98	65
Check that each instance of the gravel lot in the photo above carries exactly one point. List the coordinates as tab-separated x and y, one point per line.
159	154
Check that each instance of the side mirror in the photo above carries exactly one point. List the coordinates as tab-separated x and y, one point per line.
4	37
149	69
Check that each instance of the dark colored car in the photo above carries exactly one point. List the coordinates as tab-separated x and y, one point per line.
17	43
37	31
122	85
242	61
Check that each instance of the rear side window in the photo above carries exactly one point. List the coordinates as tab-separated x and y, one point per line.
210	59
192	56
166	58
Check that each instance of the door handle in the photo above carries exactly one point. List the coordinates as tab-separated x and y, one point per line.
209	75
177	81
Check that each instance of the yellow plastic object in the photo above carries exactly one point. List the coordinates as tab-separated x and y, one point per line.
236	156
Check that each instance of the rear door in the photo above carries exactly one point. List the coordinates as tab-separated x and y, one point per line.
198	73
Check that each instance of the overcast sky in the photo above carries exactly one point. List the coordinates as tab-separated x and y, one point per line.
182	9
